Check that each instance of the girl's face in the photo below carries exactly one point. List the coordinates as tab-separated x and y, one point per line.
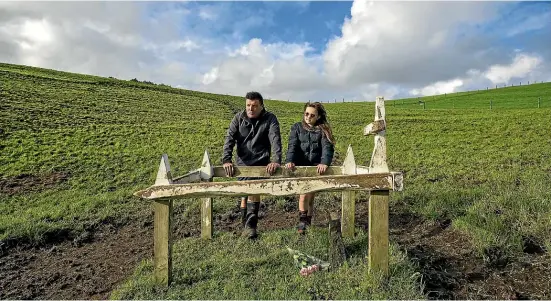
311	116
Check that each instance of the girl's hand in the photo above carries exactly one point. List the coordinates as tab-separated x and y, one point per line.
322	168
290	165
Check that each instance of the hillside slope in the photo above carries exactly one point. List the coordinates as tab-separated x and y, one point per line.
74	148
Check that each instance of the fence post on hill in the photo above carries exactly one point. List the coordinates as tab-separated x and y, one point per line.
162	224
348	197
378	245
539	101
207	174
491	105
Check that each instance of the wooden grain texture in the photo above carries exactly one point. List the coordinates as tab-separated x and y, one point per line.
348	204
272	187
378	232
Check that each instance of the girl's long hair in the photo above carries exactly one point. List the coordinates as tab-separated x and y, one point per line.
322	120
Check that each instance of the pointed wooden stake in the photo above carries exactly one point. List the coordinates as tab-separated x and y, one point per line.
207	173
348	207
162	228
164	175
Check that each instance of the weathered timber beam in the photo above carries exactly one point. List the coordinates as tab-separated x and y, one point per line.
191	177
260	171
274	187
375	127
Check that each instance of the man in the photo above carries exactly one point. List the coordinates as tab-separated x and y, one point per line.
255	133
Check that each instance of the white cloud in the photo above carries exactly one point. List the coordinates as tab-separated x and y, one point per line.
211	76
440	87
521	66
270	68
396	42
207	13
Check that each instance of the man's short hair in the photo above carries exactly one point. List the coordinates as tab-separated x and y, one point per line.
255	96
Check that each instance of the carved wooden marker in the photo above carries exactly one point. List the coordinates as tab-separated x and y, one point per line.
378	251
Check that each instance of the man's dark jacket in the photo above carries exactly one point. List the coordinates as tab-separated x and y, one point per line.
255	140
309	147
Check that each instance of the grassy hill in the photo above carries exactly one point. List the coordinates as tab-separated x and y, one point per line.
73	149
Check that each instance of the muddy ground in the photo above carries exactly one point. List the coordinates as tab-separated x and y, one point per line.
90	265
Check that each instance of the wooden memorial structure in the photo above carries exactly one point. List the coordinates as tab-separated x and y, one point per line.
348	178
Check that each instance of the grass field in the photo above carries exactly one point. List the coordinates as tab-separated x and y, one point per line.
230	267
73	149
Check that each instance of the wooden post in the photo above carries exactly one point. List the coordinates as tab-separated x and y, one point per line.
378	202
207	174
539	100
491	105
348	197
162	232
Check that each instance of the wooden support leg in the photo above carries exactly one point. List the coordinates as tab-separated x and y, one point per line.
206	218
378	232
348	213
163	242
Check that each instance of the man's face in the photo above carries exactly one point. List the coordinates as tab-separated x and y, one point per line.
253	108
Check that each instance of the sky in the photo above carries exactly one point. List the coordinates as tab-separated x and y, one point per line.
289	50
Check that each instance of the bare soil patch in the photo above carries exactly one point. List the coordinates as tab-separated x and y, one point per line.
31	183
451	268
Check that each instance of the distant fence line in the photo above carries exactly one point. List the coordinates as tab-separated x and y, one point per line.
335	100
538	101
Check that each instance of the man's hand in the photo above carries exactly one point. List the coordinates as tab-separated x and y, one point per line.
290	165
271	168
228	168
322	168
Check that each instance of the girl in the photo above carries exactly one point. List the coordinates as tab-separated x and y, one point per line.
311	143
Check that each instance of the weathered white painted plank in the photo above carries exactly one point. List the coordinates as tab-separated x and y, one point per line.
260	171
191	177
273	187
